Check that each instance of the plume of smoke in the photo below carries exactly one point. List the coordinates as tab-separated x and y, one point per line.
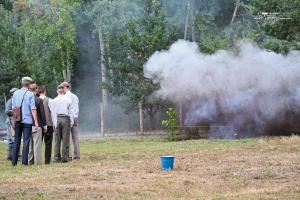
246	89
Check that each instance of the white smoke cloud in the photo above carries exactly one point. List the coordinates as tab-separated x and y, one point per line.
247	86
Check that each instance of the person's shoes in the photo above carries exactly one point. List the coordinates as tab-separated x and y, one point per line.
64	161
58	160
9	158
70	158
76	158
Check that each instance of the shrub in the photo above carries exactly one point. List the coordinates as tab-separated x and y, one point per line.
171	124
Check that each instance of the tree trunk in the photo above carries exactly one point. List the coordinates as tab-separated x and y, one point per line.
66	72
5	100
104	92
181	118
102	118
141	117
67	75
186	26
110	71
193	26
37	5
109	2
151	116
54	74
237	4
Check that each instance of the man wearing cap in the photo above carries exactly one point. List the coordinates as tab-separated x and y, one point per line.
62	118
75	112
36	139
48	135
23	99
10	125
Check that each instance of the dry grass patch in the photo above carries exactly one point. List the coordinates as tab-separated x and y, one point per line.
266	168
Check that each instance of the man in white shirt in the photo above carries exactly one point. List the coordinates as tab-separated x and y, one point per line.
75	113
63	120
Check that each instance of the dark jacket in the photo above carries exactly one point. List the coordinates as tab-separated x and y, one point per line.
8	112
47	111
8	108
40	112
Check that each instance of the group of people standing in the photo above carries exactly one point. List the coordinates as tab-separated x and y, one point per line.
37	118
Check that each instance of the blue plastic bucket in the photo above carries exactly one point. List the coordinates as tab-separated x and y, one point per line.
167	163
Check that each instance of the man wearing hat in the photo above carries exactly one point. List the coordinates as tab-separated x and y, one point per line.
10	125
75	112
62	119
24	111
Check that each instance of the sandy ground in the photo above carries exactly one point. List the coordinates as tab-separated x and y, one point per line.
267	168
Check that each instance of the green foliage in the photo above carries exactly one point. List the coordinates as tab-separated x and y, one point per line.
37	44
212	37
7	4
131	49
49	43
12	61
282	32
40	41
287	24
171	124
21	195
39	196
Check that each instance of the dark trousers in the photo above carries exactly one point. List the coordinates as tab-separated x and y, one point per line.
48	138
62	138
20	129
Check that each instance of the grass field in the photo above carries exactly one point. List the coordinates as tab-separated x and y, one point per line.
267	168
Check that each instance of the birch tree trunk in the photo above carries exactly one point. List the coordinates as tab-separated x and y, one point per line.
141	115
5	100
193	25
186	26
237	5
104	103
54	74
108	53
104	92
102	118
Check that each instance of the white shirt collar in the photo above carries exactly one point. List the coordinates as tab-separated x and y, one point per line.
42	97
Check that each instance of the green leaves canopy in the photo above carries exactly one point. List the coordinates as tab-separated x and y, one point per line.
38	44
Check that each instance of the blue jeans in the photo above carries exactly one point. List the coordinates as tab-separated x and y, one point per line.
25	129
9	140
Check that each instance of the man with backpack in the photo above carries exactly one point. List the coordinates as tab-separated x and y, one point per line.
24	114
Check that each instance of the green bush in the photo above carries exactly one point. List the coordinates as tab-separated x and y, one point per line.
171	124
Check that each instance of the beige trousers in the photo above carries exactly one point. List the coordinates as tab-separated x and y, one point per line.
35	148
75	139
62	140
